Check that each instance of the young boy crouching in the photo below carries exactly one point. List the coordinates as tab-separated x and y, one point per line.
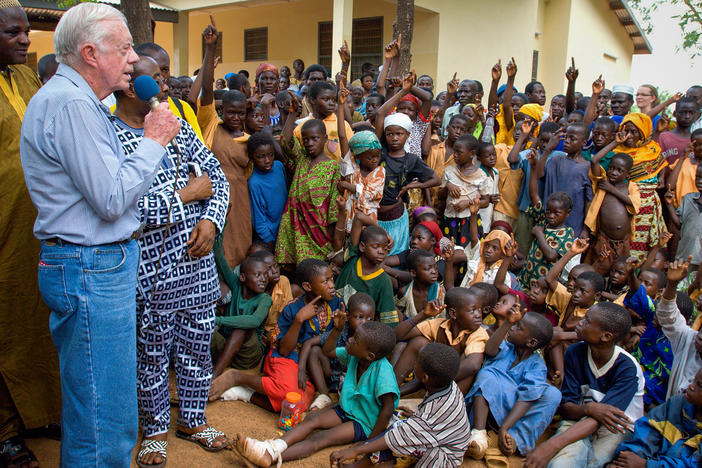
367	400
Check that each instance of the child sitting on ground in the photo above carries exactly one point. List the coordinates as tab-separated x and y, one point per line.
680	415
610	218
569	174
426	236
266	205
361	309
362	272
423	288
237	342
570	306
464	182
512	387
436	434
461	330
602	394
616	283
367	400
306	317
281	293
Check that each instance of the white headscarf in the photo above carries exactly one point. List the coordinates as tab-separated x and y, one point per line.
623	88
399	119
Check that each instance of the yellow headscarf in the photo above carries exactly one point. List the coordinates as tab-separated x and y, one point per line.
534	111
495	234
648	159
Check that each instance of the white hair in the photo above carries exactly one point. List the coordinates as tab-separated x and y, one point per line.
80	24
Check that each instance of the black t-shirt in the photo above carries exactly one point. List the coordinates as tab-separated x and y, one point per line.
400	172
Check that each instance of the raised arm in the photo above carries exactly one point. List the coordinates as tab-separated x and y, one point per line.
571	75
509	92
425	97
287	136
672	212
210	36
595	166
510	251
533	182
513	157
663	105
342	97
579	246
391	50
540	168
591	112
390	104
496	73
514	315
345	55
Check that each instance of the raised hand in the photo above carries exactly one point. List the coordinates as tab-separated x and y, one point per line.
210	34
677	271
664	239
343	94
433	308
408	81
339	317
572	72
511	247
309	310
497	70
579	246
598	85
676	97
474	206
554	140
294	107
511	68
528	126
532	157
345	54
515	314
448	251
669	196
663	123
452	86
621	137
631	264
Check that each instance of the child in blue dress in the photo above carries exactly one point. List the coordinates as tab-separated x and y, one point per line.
512	386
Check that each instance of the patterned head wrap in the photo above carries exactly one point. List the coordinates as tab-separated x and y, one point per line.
364	141
413	99
264	67
9	4
502	237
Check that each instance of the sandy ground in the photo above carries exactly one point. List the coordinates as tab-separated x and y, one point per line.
231	417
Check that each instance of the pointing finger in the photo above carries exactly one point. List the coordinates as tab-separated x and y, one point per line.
212	21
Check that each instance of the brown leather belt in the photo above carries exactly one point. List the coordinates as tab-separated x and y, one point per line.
58	241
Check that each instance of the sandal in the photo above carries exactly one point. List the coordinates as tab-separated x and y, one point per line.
209	434
152	446
14	452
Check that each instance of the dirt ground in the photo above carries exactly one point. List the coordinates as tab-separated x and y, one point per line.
234	417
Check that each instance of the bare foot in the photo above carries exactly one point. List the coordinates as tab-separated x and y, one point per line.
556	379
506	444
219	385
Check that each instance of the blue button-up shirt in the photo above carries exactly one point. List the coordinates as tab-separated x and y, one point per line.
83	185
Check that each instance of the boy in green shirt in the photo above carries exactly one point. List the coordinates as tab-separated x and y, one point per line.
362	273
237	342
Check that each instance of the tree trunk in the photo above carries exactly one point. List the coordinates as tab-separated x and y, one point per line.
138	14
404	24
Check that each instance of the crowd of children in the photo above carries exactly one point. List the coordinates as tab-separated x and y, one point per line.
527	267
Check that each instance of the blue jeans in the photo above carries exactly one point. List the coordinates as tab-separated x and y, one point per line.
91	292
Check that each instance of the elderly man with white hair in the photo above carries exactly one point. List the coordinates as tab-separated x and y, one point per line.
86	191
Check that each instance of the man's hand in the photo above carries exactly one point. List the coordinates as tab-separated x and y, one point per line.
267	100
197	188
572	72
598	86
201	238
663	123
497	70
554	140
528	126
161	125
452	86
308	311
614	419
345	54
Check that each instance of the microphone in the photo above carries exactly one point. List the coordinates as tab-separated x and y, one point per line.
147	90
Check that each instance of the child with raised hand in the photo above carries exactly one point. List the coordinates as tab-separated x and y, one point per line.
307	228
367	400
686	341
569	174
441	155
551	237
602	394
512	387
403	171
266	205
362	272
571	307
361	309
506	110
461	330
423	288
688	218
436	434
308	316
238	340
464	182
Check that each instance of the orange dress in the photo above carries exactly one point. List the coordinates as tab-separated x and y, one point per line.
234	159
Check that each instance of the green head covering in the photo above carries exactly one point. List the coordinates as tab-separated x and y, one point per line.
364	141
